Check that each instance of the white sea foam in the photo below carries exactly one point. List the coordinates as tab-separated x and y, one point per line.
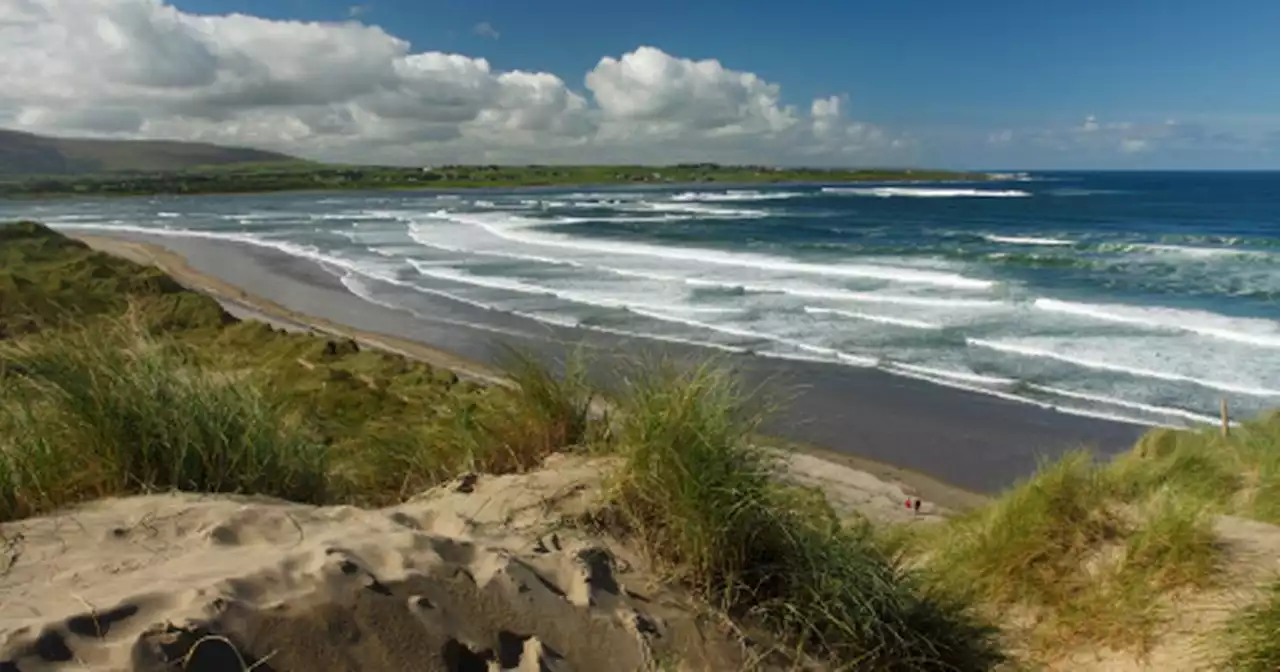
357	286
68	219
519	230
1250	331
1029	350
1197	252
1190	251
441	272
609	195
702	211
1027	240
367	215
849	295
882	319
962	376
755	335
1086	413
1123	403
291	249
926	192
1011	177
419	234
736	195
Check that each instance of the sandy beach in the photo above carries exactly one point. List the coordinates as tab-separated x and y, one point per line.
502	572
481	573
905	429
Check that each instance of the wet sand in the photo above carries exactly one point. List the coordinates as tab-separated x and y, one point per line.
926	435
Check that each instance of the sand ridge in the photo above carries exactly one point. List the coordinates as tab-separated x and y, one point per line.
475	575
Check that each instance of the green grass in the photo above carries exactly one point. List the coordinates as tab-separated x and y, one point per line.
118	370
108	416
700	497
141	412
1095	553
1251	639
1088	564
1237	474
297	175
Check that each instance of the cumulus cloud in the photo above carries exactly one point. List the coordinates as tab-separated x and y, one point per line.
354	92
486	29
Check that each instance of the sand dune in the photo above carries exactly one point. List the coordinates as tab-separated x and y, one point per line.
481	574
477	575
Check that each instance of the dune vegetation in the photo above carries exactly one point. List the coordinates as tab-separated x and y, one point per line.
116	380
1089	554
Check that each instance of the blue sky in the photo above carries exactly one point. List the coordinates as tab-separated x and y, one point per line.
1084	84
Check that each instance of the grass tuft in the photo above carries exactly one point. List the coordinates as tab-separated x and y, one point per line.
701	498
1251	639
1073	546
138	418
1237	474
1028	545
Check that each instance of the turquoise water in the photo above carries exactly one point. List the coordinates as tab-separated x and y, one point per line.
1147	297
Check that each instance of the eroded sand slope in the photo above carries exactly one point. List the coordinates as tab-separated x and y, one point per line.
477	575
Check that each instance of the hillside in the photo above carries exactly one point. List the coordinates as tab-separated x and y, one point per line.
26	154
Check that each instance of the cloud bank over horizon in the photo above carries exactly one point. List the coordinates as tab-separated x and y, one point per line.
353	92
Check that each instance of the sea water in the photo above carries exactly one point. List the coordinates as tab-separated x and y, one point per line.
1143	296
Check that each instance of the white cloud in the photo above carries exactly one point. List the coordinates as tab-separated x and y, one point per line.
359	10
350	91
1000	137
486	29
1096	137
1134	145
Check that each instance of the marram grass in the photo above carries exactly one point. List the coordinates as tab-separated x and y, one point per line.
699	496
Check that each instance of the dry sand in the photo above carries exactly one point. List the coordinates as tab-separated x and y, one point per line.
476	575
485	573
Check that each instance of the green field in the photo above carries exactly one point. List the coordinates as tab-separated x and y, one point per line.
295	176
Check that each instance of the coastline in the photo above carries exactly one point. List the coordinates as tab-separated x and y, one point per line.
947	444
480	187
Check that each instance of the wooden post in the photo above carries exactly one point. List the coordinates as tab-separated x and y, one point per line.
1226	419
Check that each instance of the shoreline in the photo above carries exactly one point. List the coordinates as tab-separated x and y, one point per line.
929	436
64	195
247	306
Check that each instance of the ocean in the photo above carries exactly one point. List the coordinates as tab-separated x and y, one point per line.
1144	297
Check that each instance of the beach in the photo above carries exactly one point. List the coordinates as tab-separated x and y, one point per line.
908	430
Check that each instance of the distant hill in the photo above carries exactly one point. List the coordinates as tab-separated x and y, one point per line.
29	154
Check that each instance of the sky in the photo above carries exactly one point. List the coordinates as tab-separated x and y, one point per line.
994	84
